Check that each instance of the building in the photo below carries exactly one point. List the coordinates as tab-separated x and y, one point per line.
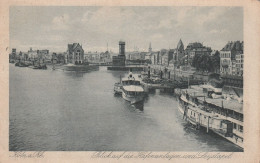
196	48
166	56
121	48
120	59
75	54
160	57
13	51
228	59
239	64
155	58
142	55
92	56
43	54
134	56
13	54
179	52
104	57
32	54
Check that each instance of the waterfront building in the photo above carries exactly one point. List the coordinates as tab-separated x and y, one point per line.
75	54
120	59
13	54
239	64
33	54
104	57
92	56
165	56
43	55
155	58
121	48
38	54
228	55
13	51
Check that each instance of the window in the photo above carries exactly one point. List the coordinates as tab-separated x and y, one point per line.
241	128
235	126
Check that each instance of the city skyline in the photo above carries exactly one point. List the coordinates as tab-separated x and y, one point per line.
94	27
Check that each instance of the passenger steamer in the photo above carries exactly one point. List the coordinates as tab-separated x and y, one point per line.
129	80
133	93
202	111
130	88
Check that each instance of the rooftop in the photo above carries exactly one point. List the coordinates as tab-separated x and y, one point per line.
133	88
227	104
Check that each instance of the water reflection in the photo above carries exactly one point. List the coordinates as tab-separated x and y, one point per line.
139	106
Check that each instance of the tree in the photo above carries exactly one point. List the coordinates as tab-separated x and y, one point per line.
26	56
202	62
60	58
216	61
195	61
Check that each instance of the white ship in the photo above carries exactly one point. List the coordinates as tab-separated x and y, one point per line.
129	80
133	93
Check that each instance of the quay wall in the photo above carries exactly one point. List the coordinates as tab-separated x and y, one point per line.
124	68
168	72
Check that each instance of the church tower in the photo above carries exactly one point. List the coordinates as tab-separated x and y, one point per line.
150	48
180	50
180	46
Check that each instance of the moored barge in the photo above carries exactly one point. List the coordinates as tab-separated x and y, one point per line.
222	116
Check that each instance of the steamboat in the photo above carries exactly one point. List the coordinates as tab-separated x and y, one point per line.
204	106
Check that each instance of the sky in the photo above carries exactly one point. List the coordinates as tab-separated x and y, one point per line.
95	27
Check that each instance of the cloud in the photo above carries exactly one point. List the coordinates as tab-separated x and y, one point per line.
165	23
216	31
95	26
157	36
61	22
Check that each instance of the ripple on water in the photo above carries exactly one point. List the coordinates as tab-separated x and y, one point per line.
59	111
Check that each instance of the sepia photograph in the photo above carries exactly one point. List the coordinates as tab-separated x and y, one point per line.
126	78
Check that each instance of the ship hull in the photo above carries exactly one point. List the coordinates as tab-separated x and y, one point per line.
132	99
199	119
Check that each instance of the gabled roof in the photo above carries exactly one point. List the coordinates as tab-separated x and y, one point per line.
236	45
180	46
73	46
133	88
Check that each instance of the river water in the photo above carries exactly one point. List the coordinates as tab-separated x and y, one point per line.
69	111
